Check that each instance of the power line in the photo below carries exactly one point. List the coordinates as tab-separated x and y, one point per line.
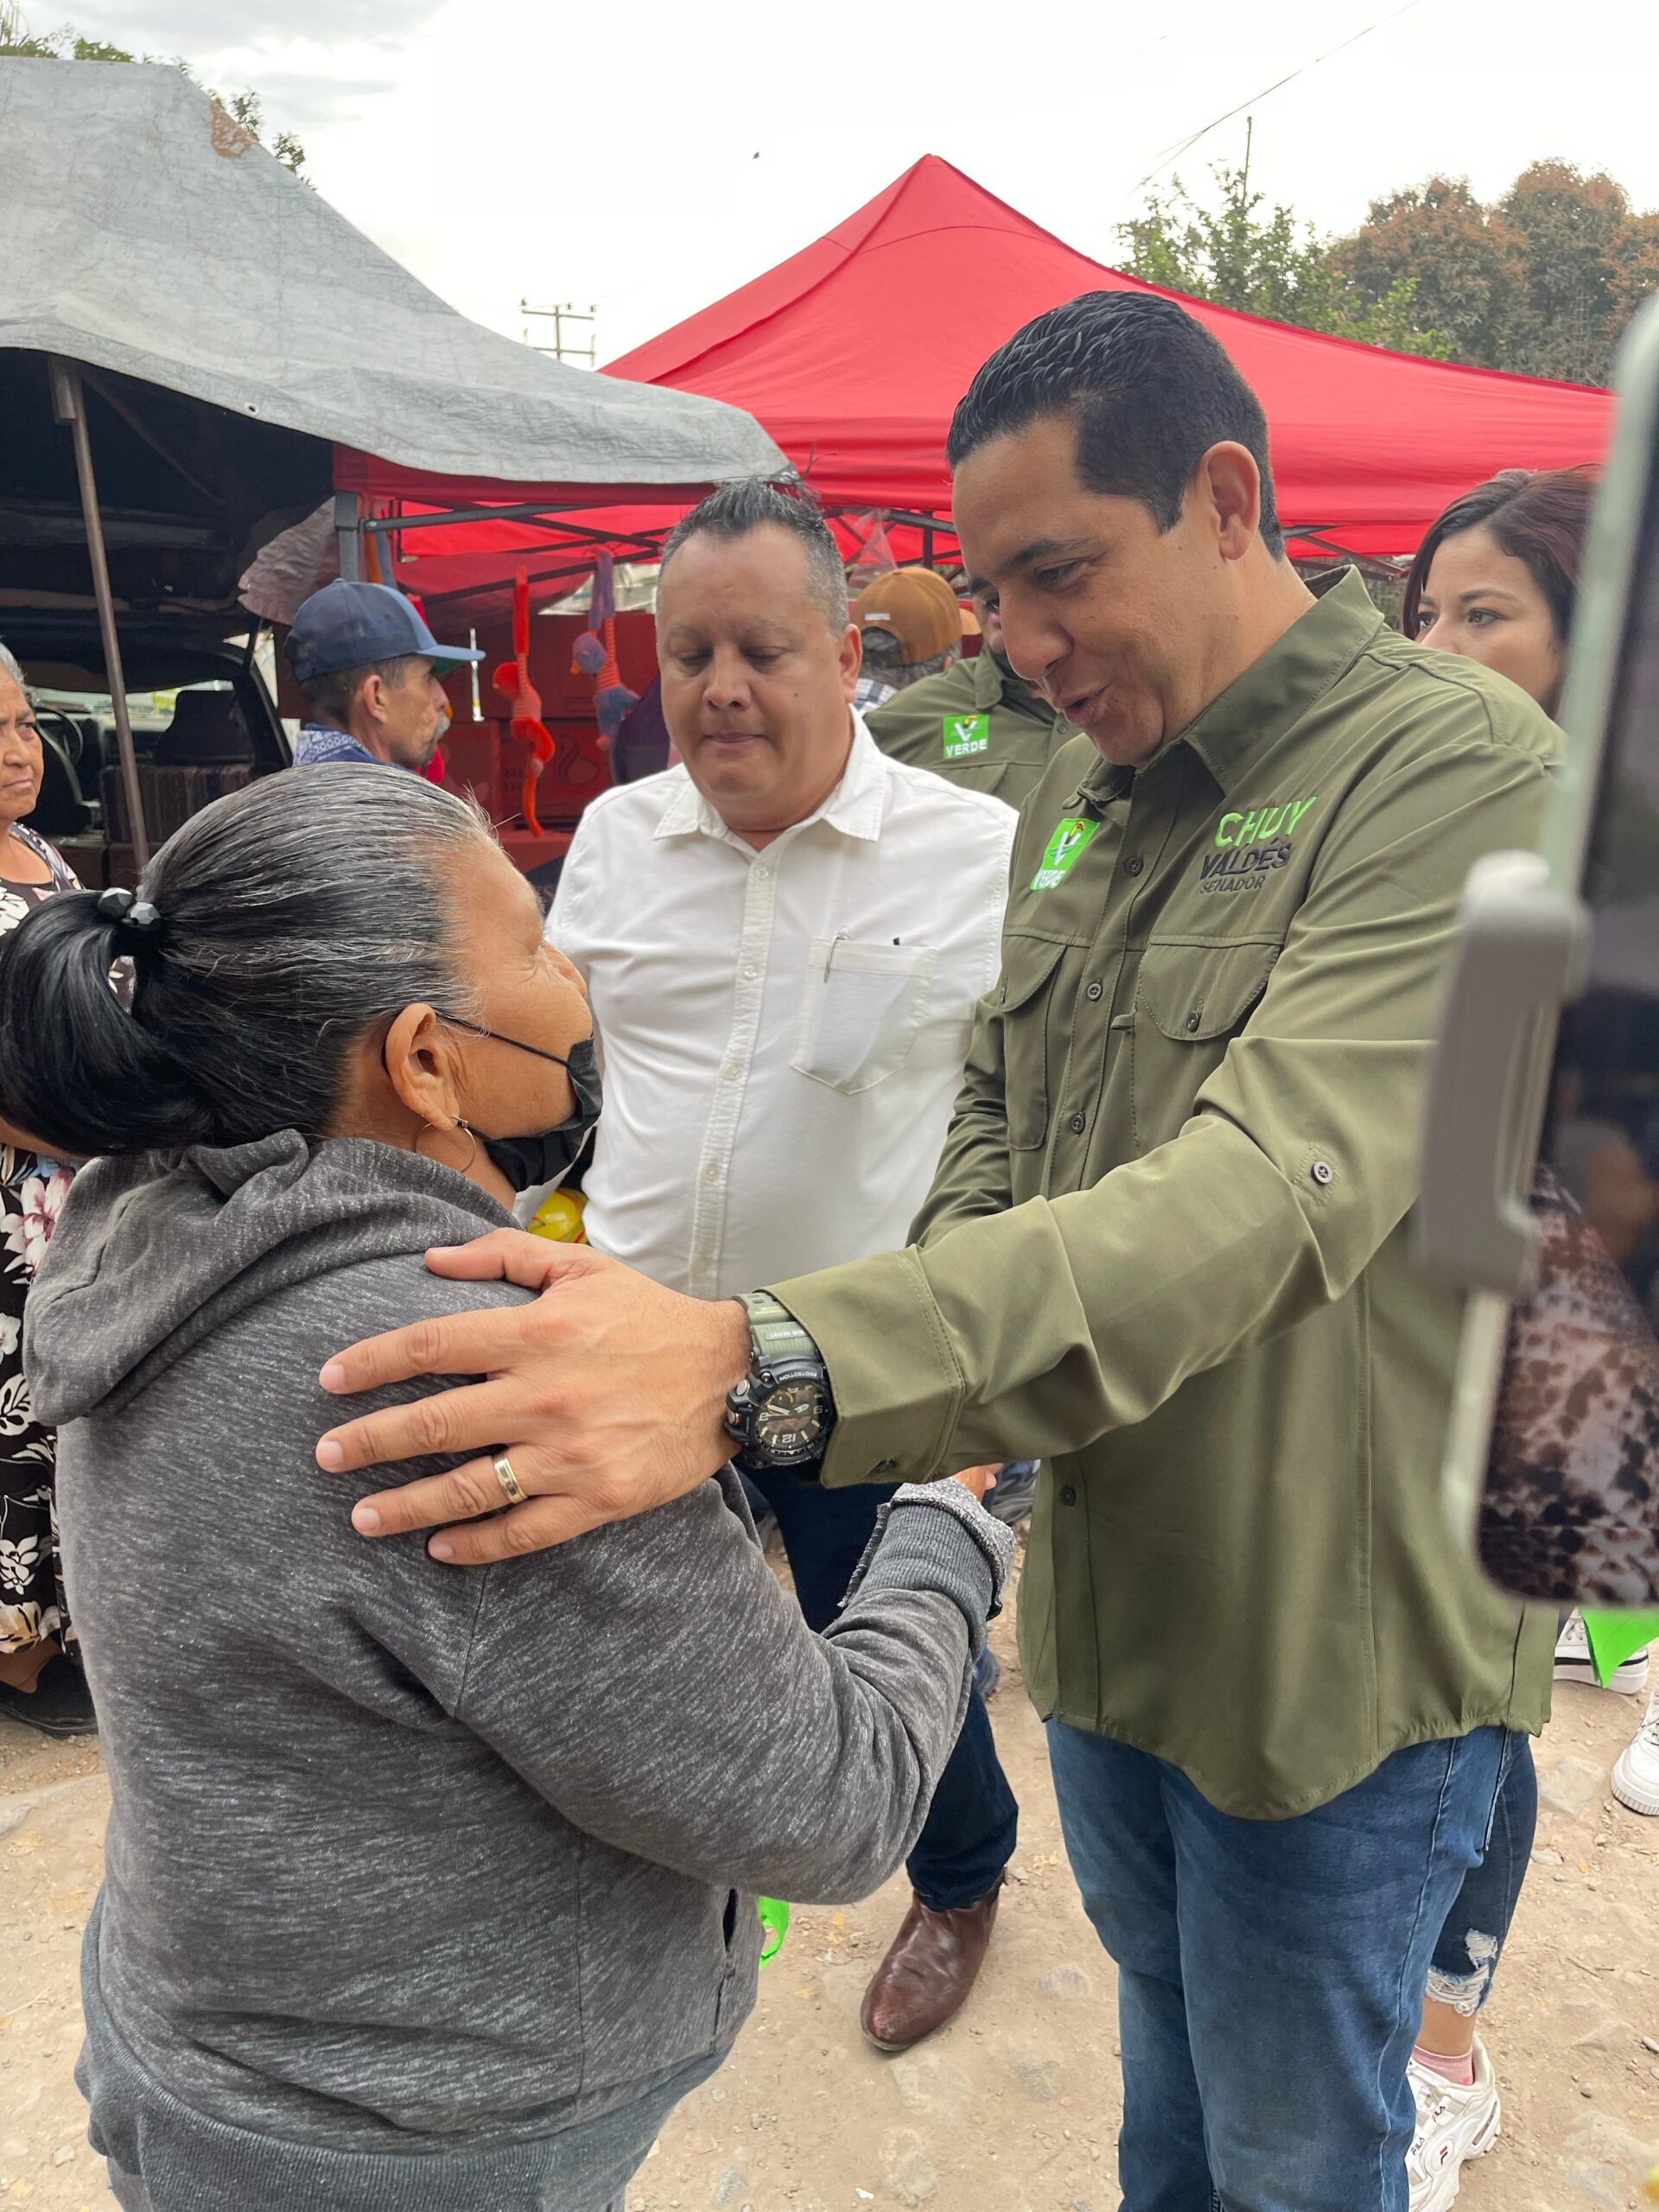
1174	153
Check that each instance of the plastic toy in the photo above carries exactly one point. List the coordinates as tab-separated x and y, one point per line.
559	1217
512	680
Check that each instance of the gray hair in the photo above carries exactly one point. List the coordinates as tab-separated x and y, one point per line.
897	672
287	918
10	666
752	504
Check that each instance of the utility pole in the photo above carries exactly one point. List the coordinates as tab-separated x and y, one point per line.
563	348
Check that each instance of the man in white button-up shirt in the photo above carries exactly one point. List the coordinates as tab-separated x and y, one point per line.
784	939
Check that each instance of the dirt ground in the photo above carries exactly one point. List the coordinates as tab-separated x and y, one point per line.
1014	2108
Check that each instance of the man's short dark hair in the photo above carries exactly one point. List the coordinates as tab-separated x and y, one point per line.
334	692
1147	388
750	504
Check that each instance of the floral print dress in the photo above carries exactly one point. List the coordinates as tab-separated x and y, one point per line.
32	1191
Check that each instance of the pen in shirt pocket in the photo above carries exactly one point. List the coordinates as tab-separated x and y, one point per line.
839	937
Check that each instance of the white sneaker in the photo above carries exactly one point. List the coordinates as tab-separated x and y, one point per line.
1575	1664
1453	2125
1635	1777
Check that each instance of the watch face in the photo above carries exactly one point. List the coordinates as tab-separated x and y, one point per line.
789	1421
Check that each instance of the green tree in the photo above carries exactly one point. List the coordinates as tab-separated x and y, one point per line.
70	45
1571	228
1463	265
1242	253
1542	280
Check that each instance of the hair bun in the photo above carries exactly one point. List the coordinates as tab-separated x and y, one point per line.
134	917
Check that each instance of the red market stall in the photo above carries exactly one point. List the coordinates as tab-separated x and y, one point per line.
853	352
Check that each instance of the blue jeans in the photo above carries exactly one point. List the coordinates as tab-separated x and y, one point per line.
1270	1973
1471	1942
969	1835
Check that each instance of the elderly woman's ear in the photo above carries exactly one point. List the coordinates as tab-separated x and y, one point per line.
418	1062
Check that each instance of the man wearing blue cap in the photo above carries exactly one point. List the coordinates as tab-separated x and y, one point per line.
372	673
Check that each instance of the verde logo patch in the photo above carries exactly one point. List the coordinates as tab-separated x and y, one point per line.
1069	838
1251	847
965	735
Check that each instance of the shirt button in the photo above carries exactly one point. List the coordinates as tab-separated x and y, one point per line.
1068	1495
1078	1124
1193	1019
1322	1172
763	869
749	975
1134	865
730	1074
1095	990
711	1173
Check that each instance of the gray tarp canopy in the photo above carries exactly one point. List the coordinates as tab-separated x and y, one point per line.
146	233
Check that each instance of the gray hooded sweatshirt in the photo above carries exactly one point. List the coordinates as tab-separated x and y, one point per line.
426	1887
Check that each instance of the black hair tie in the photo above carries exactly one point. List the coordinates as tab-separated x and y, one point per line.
136	919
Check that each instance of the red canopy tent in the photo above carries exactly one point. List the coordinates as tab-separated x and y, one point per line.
853	352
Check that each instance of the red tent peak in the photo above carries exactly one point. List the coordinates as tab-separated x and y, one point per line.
854	351
931	195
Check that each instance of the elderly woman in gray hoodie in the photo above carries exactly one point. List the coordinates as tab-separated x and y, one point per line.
424	1889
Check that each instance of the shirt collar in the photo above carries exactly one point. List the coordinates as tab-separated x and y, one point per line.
1275	691
988	679
992	688
854	807
327	742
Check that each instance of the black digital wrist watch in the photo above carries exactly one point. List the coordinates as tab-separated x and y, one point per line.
781	1414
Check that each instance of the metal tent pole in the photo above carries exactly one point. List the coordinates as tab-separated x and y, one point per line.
69	405
348	515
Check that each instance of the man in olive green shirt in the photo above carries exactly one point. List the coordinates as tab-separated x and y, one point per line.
977	724
1166	1250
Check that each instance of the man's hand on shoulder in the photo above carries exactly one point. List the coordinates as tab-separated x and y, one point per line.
607	1393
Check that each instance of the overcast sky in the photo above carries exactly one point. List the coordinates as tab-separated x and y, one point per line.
650	157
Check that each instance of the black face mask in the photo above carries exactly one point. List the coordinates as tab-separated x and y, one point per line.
528	1161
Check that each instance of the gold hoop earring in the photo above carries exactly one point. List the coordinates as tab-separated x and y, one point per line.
472	1134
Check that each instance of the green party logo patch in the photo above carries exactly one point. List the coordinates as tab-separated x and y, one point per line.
1061	854
965	735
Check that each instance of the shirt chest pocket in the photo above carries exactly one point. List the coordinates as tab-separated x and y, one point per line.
1026	996
862	1007
1191	1001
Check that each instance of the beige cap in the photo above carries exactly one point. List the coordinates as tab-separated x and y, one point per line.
917	608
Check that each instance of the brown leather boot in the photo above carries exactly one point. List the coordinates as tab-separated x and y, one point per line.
931	1964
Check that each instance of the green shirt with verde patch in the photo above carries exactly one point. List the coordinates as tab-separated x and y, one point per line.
1167	1247
973	725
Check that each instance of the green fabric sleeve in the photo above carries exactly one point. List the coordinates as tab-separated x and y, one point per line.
1036	1328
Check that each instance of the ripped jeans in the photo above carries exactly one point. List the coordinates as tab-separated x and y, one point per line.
1472	1941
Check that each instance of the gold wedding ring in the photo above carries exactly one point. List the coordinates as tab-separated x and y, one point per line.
514	1490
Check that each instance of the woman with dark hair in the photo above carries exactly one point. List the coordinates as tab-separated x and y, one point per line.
1497	576
41	1678
1495	580
423	1887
